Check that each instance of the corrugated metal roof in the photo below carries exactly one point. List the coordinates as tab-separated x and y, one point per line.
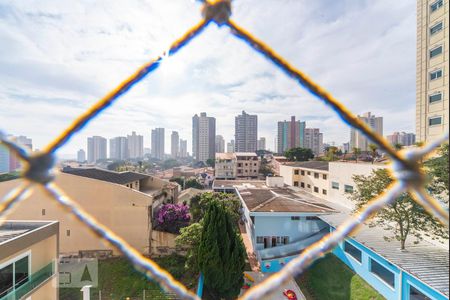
427	262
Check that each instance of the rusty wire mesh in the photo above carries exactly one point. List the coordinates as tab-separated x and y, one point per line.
38	167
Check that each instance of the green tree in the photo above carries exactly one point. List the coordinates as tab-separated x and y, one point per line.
331	153
299	154
211	162
190	238
199	205
373	149
265	168
356	153
193	183
403	217
221	253
170	163
438	170
398	146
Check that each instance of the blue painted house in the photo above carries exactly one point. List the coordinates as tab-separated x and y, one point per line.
284	221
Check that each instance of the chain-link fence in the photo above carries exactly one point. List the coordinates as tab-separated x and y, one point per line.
406	166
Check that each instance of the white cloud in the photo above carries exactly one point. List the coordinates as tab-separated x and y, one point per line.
58	57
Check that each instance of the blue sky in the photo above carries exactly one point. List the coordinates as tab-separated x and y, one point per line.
58	57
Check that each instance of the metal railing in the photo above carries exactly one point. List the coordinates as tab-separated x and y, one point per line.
405	167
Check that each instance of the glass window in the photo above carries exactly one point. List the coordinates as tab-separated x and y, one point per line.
309	173
302	173
436	51
415	294
302	184
285	240
296	172
353	251
434	121
324	191
316	189
335	185
21	271
259	239
295	183
435	74
316	175
6	280
436	28
324	176
295	218
308	186
312	218
348	188
436	5
383	273
68	232
435	97
43	211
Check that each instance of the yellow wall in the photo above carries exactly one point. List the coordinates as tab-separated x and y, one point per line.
123	210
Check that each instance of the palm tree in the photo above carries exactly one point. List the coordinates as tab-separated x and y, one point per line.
356	153
373	148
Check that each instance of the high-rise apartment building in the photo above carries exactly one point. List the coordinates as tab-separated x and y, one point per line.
358	139
81	156
119	148
402	138
175	144
4	159
183	148
220	144
230	147
261	143
158	143
246	132
291	134
432	74
96	146
203	137
14	161
135	145
314	140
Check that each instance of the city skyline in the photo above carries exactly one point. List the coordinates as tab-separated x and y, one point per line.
225	78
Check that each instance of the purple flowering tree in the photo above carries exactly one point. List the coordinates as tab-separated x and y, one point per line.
172	217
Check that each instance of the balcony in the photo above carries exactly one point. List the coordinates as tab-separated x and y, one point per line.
33	282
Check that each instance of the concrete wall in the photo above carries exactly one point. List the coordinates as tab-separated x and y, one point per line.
309	180
266	224
403	280
342	173
125	211
163	243
225	169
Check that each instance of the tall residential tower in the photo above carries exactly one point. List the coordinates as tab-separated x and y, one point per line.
246	132
359	140
291	134
203	137
158	143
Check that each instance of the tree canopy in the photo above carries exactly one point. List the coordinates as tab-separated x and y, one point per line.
299	154
221	253
403	217
438	170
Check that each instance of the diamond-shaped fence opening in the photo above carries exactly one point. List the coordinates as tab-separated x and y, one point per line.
38	167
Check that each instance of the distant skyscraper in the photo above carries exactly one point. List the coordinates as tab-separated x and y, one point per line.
175	144
158	143
432	69
230	147
81	156
14	161
119	148
220	144
24	141
246	132
262	143
135	145
183	148
291	134
359	140
96	148
147	151
402	138
203	137
314	140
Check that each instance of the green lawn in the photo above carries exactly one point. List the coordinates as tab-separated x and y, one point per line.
329	278
118	280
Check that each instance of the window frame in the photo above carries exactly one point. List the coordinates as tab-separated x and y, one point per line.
436	72
13	262
435	94
316	189
411	286
324	192
346	186
344	247
434	26
333	186
431	56
441	4
371	261
432	118
295	218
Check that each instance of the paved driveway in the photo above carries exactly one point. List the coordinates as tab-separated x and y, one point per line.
278	295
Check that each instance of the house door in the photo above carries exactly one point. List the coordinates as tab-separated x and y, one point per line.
274	241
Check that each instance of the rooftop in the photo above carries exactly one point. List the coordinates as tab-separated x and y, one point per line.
225	155
427	262
245	154
258	197
105	175
315	165
12	229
